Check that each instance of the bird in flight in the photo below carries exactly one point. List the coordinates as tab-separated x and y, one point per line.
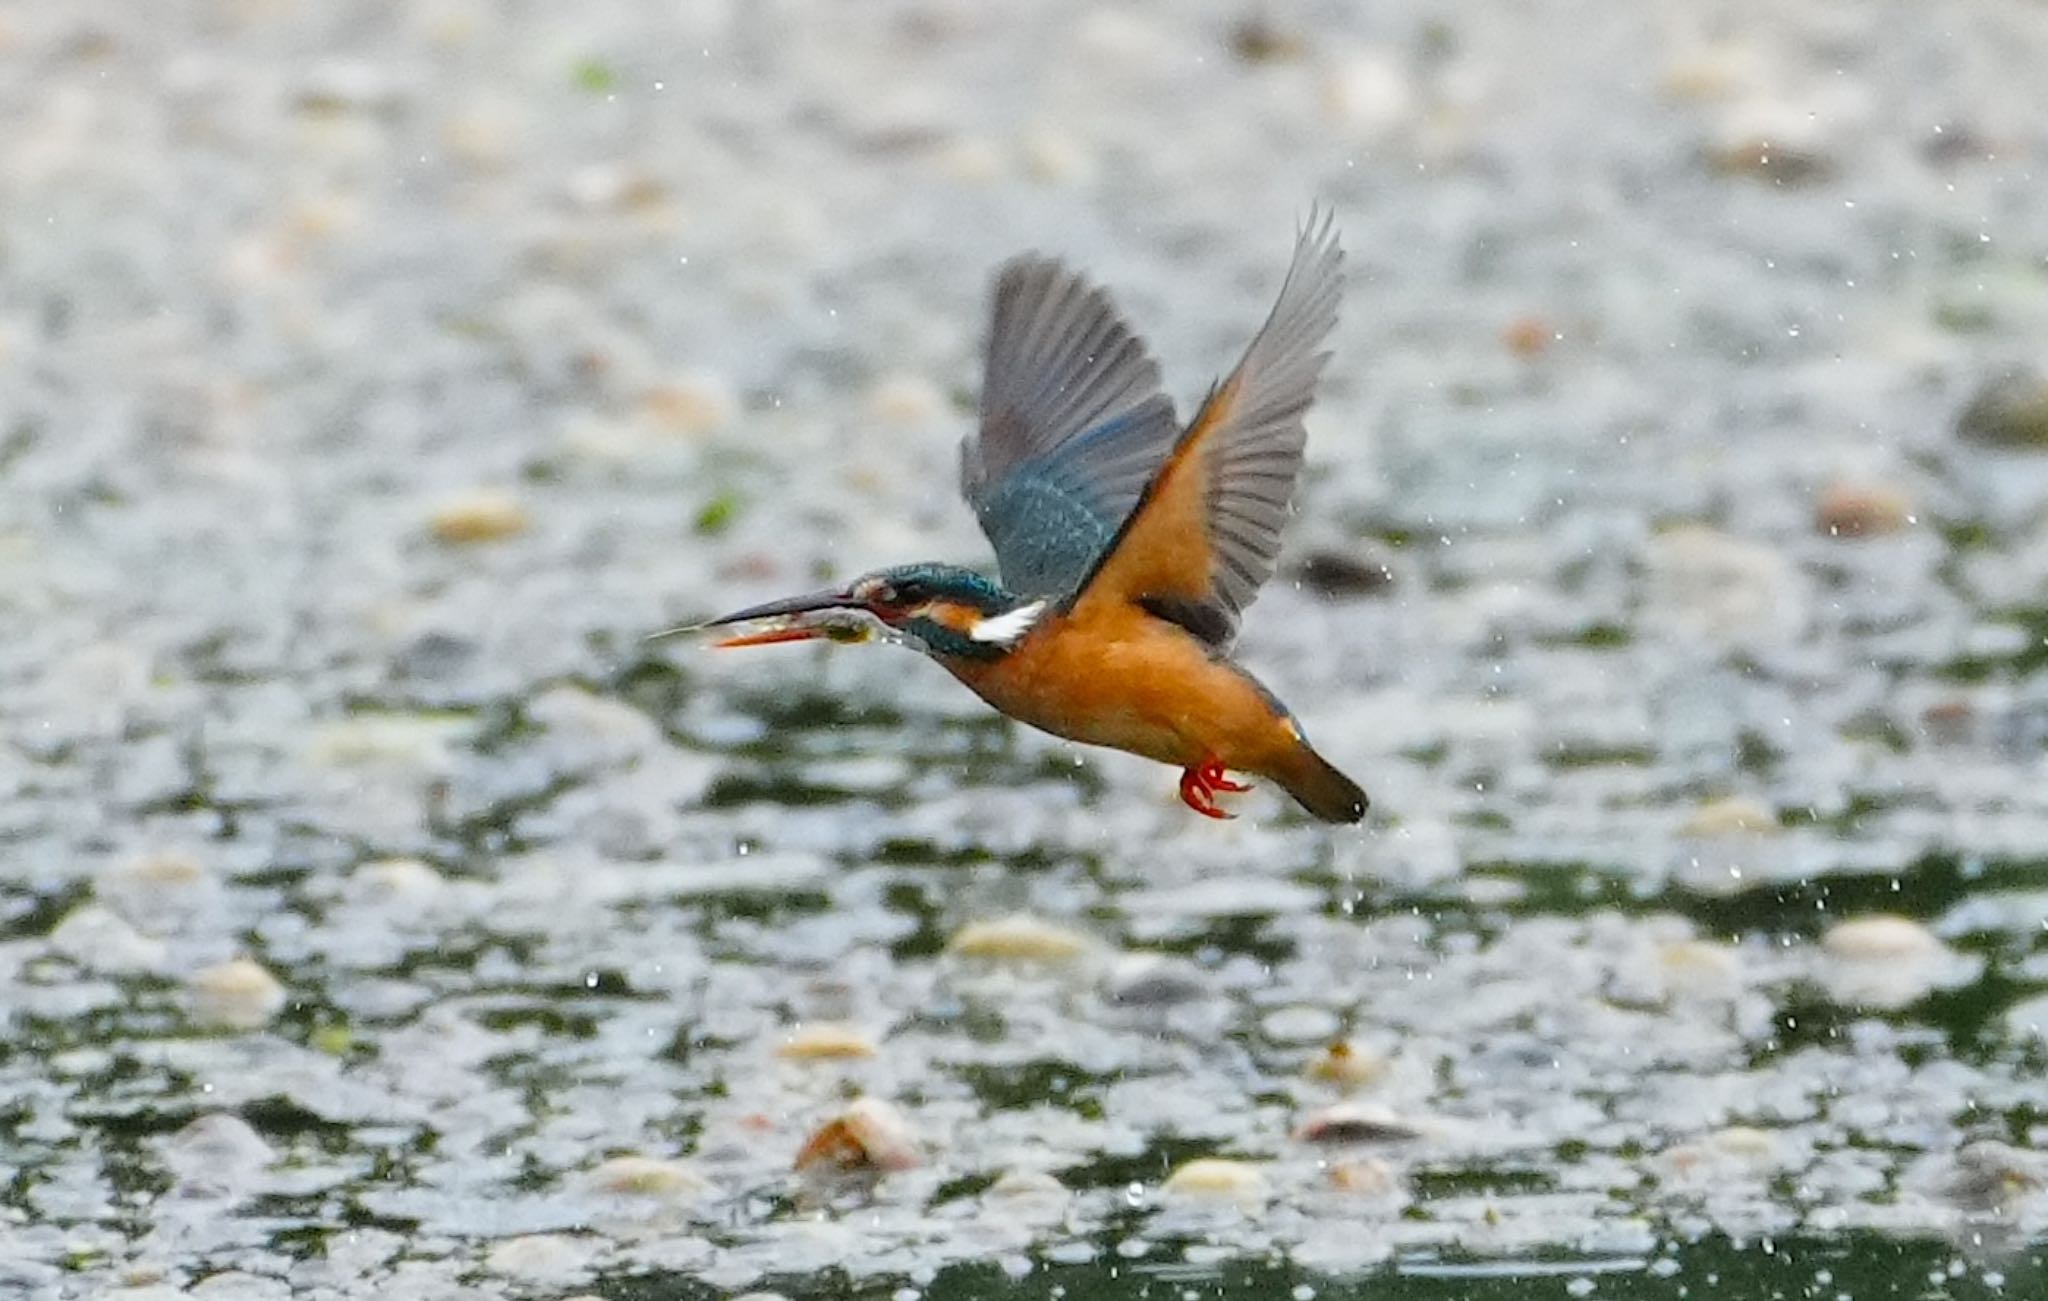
1128	545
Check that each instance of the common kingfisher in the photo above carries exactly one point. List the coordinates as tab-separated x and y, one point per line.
1128	545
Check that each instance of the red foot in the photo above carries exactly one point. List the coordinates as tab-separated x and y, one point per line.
1200	785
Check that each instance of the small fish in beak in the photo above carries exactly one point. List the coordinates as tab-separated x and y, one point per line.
834	626
834	615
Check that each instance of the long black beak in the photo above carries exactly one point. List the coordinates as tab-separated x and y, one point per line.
788	608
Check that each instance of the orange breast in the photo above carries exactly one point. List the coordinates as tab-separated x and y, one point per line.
1119	677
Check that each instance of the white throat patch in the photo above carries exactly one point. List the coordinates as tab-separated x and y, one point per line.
1009	628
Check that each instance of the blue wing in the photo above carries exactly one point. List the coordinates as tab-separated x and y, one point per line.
1073	426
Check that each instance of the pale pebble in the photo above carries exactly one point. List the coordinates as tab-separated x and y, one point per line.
1886	963
237	1285
403	884
1733	816
1020	937
478	516
1056	158
542	1258
825	1042
217	1148
159	890
99	940
692	404
649	1177
1217	1179
235	995
906	401
1368	93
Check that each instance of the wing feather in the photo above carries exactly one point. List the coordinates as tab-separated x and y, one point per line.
1207	528
1073	426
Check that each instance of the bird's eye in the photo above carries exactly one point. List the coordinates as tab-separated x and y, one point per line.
883	594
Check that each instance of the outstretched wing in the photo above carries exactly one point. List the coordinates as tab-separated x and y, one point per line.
1073	426
1203	538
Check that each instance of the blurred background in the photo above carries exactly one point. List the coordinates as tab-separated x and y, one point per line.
381	915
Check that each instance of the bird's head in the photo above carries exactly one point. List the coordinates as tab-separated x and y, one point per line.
943	610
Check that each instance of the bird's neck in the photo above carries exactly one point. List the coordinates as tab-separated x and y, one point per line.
979	631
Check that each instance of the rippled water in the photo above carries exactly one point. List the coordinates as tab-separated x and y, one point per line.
380	914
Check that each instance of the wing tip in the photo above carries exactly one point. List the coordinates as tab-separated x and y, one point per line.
1318	251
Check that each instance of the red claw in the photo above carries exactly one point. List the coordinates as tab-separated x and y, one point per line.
1213	778
1199	786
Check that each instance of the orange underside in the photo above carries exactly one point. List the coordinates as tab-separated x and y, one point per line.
1117	676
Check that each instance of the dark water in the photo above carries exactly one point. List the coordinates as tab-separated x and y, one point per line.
1851	1269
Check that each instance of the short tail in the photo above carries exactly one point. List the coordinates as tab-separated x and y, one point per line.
1320	788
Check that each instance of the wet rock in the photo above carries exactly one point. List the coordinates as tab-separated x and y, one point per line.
1713	70
1368	93
1951	143
613	187
484	135
1781	141
1355	1122
234	995
337	87
1529	337
2027	1020
1154	980
1216	1179
1848	510
692	405
1056	158
971	160
1738	1151
1344	574
1030	1196
98	940
480	515
434	657
1347	1064
1723	590
1020	938
825	1043
402	885
217	1152
1262	39
1741	154
159	892
1365	1176
2008	412
1882	939
235	1285
907	402
543	1258
1736	815
1698	969
1949	722
649	1177
869	1135
1887	963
